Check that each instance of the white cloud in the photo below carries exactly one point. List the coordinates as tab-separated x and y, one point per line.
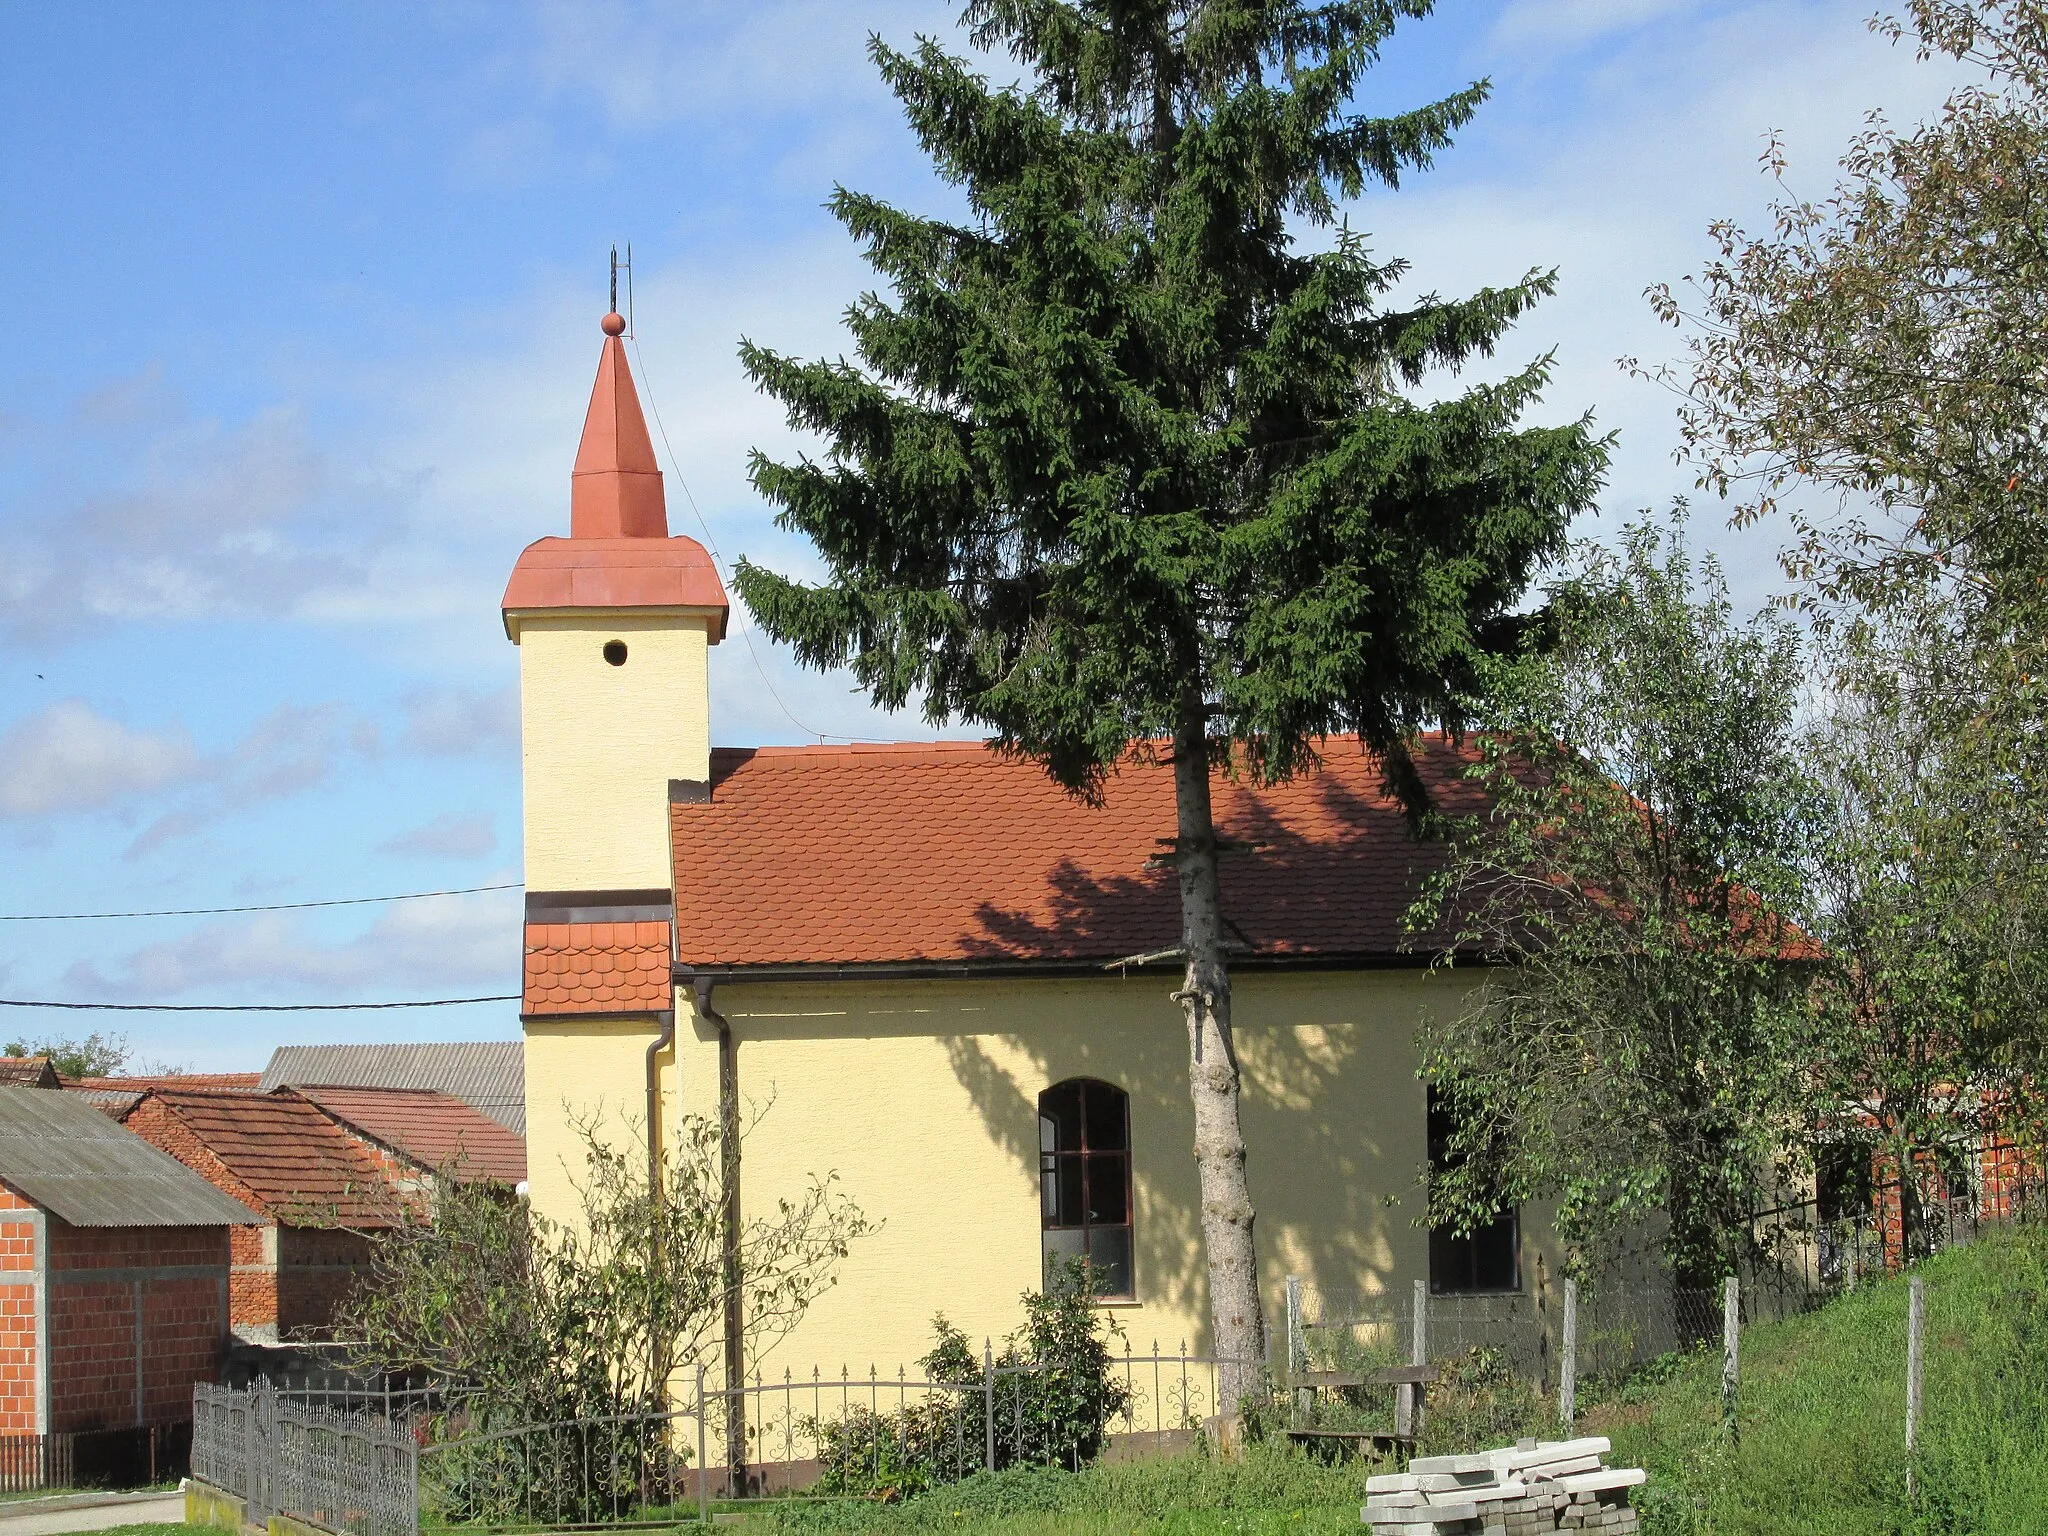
67	758
649	64
447	836
1616	188
291	749
452	722
423	947
125	509
1572	23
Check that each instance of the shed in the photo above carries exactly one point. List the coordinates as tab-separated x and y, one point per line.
487	1075
319	1191
113	1272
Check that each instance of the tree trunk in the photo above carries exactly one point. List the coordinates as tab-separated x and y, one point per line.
1237	1320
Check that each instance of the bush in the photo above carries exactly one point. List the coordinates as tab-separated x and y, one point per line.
1055	1395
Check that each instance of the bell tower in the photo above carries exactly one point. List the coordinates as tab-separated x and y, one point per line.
613	624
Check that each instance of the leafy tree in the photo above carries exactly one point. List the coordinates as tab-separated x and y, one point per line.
96	1055
524	1321
1887	347
1634	1044
1929	911
1125	470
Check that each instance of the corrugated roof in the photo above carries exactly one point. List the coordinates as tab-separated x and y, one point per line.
301	1167
948	852
436	1130
65	1155
111	1102
489	1075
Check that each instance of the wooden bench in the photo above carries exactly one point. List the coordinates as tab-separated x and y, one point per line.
1383	1442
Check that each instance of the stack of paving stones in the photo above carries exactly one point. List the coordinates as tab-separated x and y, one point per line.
1521	1489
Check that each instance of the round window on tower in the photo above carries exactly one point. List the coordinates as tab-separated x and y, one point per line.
615	652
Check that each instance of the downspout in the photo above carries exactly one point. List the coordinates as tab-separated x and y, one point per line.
729	1201
662	1041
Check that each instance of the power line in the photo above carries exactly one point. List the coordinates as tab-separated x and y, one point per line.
431	1002
711	545
276	906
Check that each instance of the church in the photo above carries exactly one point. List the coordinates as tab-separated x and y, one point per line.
937	977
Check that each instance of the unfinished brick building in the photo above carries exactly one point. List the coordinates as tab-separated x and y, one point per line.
113	1272
320	1194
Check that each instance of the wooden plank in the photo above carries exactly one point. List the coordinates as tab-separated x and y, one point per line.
1401	1376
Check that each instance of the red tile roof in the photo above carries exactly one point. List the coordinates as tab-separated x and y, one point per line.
28	1072
947	852
212	1082
435	1130
574	968
301	1167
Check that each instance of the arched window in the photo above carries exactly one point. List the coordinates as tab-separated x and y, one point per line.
1084	1180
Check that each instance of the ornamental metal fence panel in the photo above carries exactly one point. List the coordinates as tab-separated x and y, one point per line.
349	1472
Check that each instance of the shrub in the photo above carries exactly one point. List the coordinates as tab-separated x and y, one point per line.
1055	1394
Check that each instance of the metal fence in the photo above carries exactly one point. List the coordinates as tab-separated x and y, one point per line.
349	1472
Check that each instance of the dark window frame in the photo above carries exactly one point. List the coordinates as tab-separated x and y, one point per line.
1460	1265
1091	1157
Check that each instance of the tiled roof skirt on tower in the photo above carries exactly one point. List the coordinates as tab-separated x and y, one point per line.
947	852
579	968
618	553
616	573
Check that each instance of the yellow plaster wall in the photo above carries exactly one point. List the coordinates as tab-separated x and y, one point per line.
923	1099
599	743
581	1072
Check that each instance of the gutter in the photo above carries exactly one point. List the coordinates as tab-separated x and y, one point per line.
970	970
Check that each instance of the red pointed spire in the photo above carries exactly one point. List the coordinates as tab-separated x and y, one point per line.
615	490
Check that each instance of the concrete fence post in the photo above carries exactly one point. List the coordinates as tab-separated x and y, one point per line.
1916	1339
1568	1361
703	1449
1418	1354
1731	1351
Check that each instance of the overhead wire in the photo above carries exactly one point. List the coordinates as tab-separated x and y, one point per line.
711	543
428	1002
273	906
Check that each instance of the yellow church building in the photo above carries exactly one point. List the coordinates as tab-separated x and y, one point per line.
922	954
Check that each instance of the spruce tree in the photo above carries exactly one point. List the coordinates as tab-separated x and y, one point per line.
1123	469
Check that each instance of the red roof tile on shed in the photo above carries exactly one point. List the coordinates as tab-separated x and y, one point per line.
596	968
436	1130
302	1168
947	852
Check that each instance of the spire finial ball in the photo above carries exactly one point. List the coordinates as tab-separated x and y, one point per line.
614	324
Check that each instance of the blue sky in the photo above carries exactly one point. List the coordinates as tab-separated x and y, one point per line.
298	314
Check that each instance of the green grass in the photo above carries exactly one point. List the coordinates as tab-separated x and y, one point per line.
1820	1449
159	1529
1821	1444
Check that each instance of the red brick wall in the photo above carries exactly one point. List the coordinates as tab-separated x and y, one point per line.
252	1280
317	1269
17	1319
93	1323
